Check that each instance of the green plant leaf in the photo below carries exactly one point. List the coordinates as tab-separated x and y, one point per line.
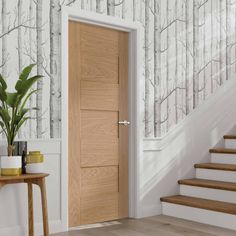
23	120
3	95
26	71
5	115
3	83
22	86
26	99
12	99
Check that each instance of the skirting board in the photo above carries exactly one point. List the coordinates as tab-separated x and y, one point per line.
151	211
54	227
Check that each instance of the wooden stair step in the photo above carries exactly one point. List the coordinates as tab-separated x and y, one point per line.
229	208
205	183
223	150
216	166
229	136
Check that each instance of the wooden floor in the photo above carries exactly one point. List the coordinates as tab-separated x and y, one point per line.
153	226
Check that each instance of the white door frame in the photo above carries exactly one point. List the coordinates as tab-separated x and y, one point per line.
135	100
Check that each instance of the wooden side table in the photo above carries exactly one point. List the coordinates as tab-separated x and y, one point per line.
30	179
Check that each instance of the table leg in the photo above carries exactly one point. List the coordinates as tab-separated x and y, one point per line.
30	210
42	186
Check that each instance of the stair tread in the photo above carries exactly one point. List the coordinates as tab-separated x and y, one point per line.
230	136
223	150
216	166
209	184
201	203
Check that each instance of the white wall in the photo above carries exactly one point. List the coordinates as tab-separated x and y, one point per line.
170	158
13	198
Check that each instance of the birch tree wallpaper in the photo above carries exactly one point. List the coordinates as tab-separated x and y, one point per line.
189	52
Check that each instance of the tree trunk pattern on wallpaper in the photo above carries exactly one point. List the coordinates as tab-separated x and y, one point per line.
30	130
204	53
227	30
4	39
212	32
111	7
221	41
134	10
157	69
39	25
189	51
19	46
147	70
55	70
167	65
176	62
98	6
195	53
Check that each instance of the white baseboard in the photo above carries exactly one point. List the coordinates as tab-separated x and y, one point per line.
54	227
151	211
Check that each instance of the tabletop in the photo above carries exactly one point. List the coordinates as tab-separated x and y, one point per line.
23	177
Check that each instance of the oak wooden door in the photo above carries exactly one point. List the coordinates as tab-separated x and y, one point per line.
98	146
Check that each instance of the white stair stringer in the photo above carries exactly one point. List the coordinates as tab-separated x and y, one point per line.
200	215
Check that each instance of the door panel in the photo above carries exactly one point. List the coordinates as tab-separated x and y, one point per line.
100	68
101	209
99	181
98	98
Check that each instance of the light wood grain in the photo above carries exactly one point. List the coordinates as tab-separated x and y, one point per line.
74	124
99	181
97	41
99	152
229	136
42	185
123	130
99	124
30	210
100	68
99	208
99	96
205	183
98	157
218	206
153	226
216	166
223	150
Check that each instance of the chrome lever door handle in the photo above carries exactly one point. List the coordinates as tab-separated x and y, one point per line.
124	122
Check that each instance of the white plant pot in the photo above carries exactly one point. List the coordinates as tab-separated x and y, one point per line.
11	165
34	168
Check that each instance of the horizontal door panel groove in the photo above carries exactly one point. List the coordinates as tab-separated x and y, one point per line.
99	96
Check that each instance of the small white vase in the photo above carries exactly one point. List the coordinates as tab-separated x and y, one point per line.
11	165
35	168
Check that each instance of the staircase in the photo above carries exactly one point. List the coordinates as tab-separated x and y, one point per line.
209	198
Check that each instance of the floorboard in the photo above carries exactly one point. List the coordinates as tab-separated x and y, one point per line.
153	226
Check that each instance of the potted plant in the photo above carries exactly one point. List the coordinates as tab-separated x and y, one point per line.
13	114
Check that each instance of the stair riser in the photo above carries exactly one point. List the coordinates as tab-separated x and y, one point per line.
220	175
208	193
200	215
223	158
230	143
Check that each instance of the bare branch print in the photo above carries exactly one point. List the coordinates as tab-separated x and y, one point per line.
157	68
195	53
39	104
55	71
147	69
